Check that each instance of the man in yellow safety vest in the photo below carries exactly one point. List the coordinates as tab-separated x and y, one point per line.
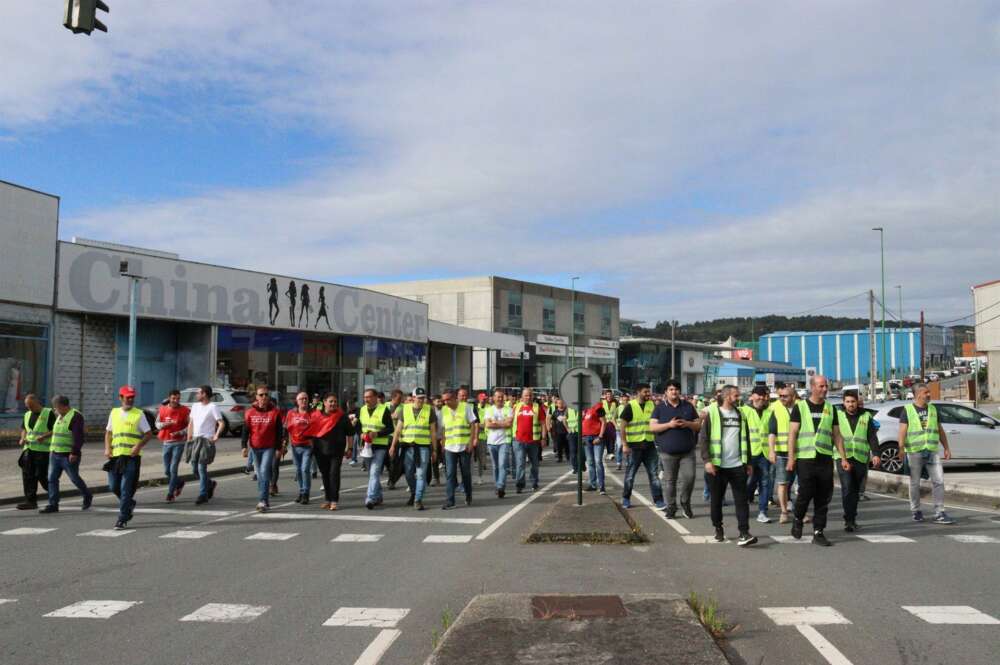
124	438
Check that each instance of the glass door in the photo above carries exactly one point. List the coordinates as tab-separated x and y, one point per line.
351	386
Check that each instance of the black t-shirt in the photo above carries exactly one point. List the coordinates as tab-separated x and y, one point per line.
33	418
680	440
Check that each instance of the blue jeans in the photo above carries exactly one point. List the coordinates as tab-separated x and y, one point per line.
204	483
123	485
619	450
760	481
500	454
416	462
375	474
172	453
643	454
594	446
57	464
302	457
533	451
452	463
574	442
263	460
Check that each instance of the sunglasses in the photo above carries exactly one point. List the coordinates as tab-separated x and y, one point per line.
261	394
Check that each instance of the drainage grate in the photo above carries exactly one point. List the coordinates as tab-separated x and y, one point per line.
577	607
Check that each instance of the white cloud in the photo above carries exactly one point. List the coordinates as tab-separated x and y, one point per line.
486	133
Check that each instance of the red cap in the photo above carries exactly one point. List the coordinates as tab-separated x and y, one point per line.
126	391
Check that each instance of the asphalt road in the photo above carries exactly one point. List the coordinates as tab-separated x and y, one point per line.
287	589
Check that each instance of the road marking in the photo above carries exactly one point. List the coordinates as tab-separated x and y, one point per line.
374	518
952	614
885	538
823	645
488	531
250	513
107	533
373	654
93	609
370	617
270	535
804	616
790	540
170	511
358	538
226	613
25	531
447	539
966	538
188	535
4	601
701	540
975	510
674	524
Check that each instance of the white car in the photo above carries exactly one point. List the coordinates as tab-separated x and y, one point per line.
232	404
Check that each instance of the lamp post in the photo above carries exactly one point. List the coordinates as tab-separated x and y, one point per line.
899	288
572	333
883	363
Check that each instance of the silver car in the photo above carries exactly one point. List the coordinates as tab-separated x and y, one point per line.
974	437
232	404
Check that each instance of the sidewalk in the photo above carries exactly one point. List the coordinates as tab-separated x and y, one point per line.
228	460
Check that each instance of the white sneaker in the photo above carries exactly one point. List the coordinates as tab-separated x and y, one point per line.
763	518
261	507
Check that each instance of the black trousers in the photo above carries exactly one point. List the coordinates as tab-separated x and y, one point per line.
816	485
561	444
851	483
34	472
329	463
736	478
396	465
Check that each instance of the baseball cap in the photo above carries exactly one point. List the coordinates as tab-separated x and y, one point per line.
419	392
126	391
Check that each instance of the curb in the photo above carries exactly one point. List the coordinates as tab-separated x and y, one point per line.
900	485
149	482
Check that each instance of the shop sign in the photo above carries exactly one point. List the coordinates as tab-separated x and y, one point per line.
607	354
513	355
188	291
549	350
552	339
604	344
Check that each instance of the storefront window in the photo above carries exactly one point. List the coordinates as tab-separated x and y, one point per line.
606	320
514	318
549	315
390	365
579	318
23	349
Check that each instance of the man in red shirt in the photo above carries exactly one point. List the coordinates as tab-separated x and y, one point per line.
530	433
172	426
297	421
594	425
262	431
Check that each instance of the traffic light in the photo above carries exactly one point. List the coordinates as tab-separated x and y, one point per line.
81	15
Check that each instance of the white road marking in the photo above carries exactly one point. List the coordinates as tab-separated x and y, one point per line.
823	645
4	601
226	613
701	540
804	616
374	518
965	538
250	513
674	524
269	535
188	535
94	609
358	538
170	511
25	531
789	540
374	652
488	531
371	617
951	614
885	538
107	533
447	539
975	510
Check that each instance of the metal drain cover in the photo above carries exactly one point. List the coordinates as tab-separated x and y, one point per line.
577	607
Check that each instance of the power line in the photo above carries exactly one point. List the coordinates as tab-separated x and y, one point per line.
816	309
967	316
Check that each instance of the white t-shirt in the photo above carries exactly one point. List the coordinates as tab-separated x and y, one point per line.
143	422
204	419
470	417
500	435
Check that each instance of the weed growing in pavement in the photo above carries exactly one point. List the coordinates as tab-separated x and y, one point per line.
709	615
447	618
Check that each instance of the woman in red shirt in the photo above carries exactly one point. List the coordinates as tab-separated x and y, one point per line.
331	432
297	421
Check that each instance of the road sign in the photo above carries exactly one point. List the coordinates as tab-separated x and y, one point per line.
577	393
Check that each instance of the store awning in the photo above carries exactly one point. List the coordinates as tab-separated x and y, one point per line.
446	333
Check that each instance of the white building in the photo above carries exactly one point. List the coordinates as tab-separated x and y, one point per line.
986	300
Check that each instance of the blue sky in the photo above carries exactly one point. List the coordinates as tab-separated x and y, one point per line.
696	160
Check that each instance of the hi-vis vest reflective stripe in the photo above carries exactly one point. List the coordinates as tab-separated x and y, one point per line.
572	424
856	442
31	441
757	427
373	423
919	439
810	441
536	423
497	413
416	426
456	427
715	436
637	430
62	437
610	412
481	411
782	418
125	432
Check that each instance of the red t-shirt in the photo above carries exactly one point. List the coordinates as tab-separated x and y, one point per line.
525	416
296	424
174	423
592	420
263	427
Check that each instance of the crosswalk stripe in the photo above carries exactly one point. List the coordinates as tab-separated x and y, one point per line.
170	511
188	534
93	609
804	616
790	540
970	538
374	518
373	652
107	533
4	601
951	614
25	531
226	613
268	535
358	538
448	539
701	540
371	617
883	538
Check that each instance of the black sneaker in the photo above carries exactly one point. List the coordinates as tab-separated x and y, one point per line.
746	540
49	509
820	539
447	506
409	501
501	493
120	525
720	535
419	505
850	527
797	529
468	500
370	505
534	488
315	475
520	490
200	500
87	500
28	505
686	511
305	499
298	499
670	513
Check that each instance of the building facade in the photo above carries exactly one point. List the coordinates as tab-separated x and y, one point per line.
648	360
986	299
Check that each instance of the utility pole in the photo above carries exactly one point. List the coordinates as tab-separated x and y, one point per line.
885	366
899	287
134	278
871	342
572	333
922	371
673	350
975	354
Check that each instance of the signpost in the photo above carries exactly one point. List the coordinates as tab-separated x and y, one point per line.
580	386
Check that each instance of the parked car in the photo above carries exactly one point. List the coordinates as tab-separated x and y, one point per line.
974	437
232	404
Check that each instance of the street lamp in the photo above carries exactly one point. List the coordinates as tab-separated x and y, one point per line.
134	279
572	334
884	364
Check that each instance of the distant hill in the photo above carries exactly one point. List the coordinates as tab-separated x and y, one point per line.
742	328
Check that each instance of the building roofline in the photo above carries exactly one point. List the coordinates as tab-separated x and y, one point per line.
29	189
678	343
991	283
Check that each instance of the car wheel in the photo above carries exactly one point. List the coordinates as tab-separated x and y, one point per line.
889	455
